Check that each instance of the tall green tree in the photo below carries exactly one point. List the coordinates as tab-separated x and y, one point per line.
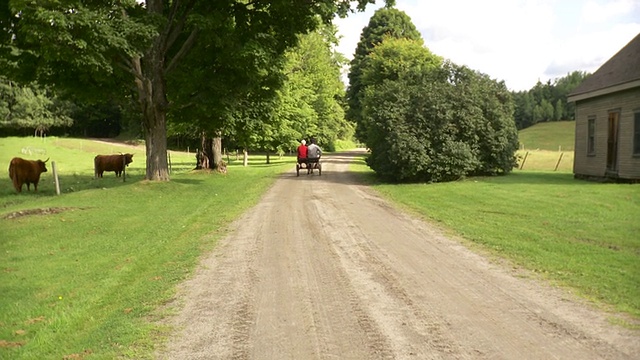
114	47
307	103
32	107
310	98
563	87
232	70
558	110
385	22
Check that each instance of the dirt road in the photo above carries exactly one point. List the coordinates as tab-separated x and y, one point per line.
321	268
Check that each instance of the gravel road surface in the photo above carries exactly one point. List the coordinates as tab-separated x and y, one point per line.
322	268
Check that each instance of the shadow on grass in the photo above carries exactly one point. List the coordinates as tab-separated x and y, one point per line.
513	178
187	181
189	164
260	164
517	177
68	184
73	183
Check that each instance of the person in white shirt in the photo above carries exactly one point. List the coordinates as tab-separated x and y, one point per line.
314	152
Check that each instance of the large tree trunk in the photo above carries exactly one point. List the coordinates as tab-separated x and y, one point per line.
218	163
150	83
203	156
156	146
211	155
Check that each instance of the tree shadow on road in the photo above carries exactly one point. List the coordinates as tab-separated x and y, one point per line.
329	161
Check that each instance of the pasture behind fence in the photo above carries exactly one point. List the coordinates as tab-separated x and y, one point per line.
544	160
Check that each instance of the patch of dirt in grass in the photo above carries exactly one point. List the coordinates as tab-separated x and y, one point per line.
40	211
11	344
77	356
35	320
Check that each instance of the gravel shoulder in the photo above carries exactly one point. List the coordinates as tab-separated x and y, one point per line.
322	268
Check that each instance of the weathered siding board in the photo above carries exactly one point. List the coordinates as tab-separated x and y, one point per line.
627	102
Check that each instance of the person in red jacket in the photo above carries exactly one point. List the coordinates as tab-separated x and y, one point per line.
302	153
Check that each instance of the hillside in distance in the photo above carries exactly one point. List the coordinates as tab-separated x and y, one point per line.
553	136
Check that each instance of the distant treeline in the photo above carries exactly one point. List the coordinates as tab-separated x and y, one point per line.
547	102
37	110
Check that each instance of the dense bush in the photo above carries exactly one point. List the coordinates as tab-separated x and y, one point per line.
431	122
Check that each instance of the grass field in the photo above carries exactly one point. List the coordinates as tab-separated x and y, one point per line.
86	274
551	136
545	160
547	146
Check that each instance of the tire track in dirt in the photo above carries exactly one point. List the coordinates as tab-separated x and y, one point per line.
390	304
322	268
375	342
323	301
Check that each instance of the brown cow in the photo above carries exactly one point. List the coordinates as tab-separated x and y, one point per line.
115	163
28	172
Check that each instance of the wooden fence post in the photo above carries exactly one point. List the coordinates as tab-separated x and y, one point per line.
55	177
523	160
558	163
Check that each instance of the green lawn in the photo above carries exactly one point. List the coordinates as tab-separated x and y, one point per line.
89	277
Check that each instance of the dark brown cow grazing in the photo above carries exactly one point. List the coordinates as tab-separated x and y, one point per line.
115	163
28	172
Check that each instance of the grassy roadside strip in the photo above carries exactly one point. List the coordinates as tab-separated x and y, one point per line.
86	279
576	234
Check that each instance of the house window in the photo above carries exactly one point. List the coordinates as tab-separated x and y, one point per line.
636	134
591	136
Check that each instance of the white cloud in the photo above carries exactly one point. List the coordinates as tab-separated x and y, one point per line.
517	41
594	12
497	38
588	51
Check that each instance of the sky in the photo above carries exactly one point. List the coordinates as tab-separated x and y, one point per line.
515	41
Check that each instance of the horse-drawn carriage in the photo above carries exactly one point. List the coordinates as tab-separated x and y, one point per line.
310	165
309	157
